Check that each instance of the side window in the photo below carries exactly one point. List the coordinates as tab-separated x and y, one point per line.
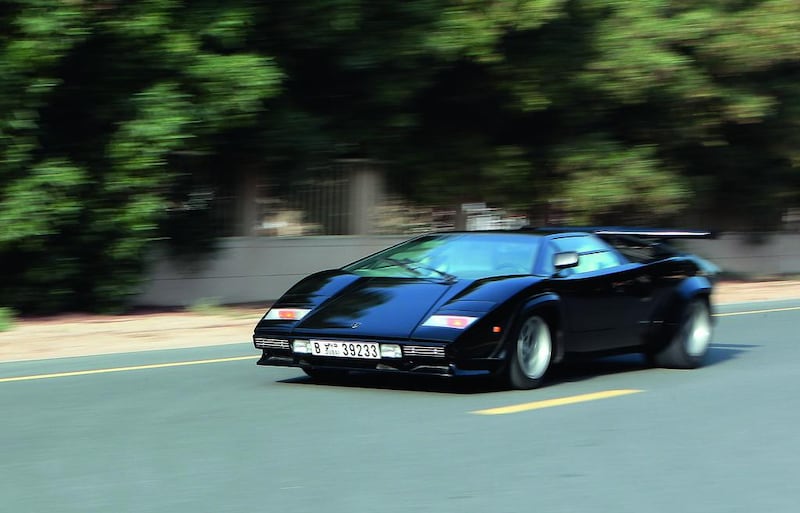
597	261
548	251
594	253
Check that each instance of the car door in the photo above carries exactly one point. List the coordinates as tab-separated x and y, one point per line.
602	295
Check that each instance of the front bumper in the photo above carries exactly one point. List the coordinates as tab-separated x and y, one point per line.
421	366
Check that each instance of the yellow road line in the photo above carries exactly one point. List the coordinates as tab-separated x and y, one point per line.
561	401
751	312
125	369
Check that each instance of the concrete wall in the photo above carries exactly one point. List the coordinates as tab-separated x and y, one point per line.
253	269
752	255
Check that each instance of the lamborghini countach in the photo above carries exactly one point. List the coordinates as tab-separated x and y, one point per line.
509	304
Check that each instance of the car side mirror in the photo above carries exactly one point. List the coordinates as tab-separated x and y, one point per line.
565	260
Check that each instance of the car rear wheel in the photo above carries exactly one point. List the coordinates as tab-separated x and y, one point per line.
531	355
688	347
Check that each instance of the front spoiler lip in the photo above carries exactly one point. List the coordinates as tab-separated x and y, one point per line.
428	367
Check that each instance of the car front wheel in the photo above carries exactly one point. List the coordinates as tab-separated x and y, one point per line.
531	355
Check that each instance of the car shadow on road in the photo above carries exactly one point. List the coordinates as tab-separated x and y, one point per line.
581	370
591	368
572	371
719	353
402	382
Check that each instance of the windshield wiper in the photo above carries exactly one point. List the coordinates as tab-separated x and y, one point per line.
449	278
415	268
405	264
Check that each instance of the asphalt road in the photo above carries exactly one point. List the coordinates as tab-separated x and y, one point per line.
205	430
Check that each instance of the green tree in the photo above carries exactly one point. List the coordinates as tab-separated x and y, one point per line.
119	119
98	102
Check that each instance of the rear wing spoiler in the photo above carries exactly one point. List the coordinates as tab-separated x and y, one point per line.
658	234
651	234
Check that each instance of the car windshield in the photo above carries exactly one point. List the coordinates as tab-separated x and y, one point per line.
454	256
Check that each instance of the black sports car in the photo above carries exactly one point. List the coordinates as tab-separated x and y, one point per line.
506	303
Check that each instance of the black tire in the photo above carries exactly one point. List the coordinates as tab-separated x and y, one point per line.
530	354
688	347
324	375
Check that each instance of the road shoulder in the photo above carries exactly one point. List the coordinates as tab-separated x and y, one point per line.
82	334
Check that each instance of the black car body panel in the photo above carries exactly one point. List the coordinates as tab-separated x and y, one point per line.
362	311
450	309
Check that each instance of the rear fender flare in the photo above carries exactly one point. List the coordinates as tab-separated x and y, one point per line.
694	286
689	289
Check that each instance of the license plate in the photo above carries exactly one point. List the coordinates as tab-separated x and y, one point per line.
370	350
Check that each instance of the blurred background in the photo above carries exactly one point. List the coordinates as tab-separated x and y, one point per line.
138	135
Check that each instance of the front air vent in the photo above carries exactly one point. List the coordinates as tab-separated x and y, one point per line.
271	343
425	351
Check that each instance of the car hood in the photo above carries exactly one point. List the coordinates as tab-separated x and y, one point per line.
374	307
346	305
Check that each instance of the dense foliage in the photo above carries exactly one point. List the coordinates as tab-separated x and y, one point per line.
113	115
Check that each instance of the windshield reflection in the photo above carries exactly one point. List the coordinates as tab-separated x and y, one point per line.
454	256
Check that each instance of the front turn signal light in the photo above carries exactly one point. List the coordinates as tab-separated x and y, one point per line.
301	346
459	322
286	314
391	351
